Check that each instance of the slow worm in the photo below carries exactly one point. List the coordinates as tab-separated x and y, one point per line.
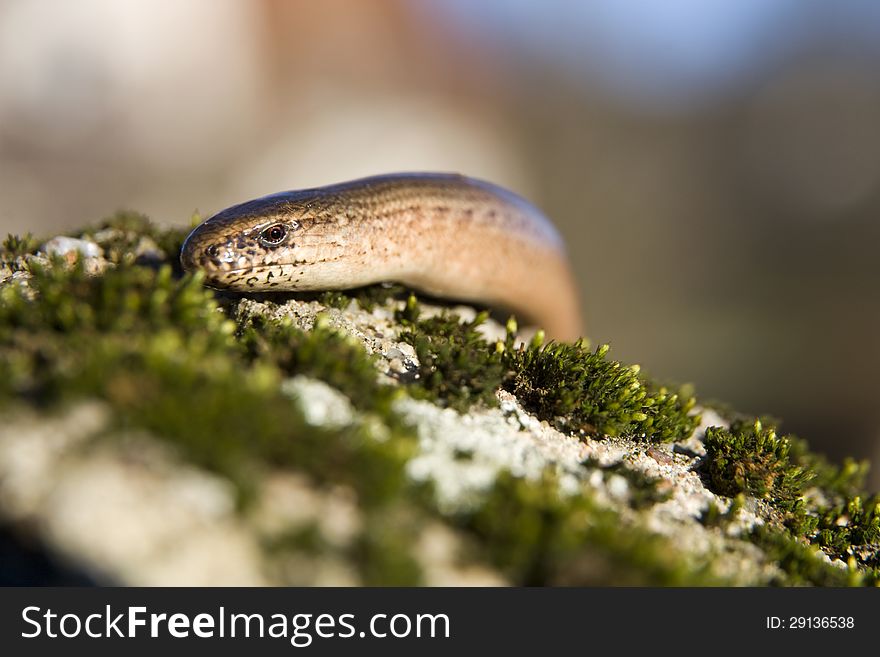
445	234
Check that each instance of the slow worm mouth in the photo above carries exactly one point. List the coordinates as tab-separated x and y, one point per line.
238	271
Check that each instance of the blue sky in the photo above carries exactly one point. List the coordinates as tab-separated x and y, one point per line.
666	51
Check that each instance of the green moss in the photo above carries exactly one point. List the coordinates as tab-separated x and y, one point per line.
456	365
800	563
304	539
713	516
536	536
381	554
368	297
323	353
50	329
851	532
838	481
752	459
128	298
233	422
569	385
385	550
410	313
161	352
853	524
335	299
581	390
15	248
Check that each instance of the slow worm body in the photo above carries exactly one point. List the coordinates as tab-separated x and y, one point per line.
445	234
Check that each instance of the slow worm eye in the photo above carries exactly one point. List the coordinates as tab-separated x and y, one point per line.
273	235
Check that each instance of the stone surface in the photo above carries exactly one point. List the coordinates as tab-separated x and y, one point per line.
123	507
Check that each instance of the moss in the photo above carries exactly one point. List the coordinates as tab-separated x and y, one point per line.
578	389
322	353
50	330
382	554
855	523
157	347
129	298
304	539
15	246
851	532
126	234
410	313
753	460
14	249
714	516
385	549
569	540
800	560
569	385
368	297
456	365
800	563
159	350
238	420
162	354
838	481
335	299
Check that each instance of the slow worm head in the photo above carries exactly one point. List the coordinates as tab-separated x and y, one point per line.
445	234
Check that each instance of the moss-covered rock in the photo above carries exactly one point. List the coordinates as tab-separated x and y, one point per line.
155	431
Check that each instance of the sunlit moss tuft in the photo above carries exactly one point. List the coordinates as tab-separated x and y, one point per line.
456	365
752	459
582	390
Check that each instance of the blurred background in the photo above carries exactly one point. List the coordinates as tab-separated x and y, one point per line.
713	164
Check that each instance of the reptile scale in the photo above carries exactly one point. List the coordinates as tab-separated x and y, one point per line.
445	234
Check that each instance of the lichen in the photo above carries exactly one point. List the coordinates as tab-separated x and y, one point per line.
644	491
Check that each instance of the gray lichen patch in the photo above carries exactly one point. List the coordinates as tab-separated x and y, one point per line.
321	405
462	455
123	510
